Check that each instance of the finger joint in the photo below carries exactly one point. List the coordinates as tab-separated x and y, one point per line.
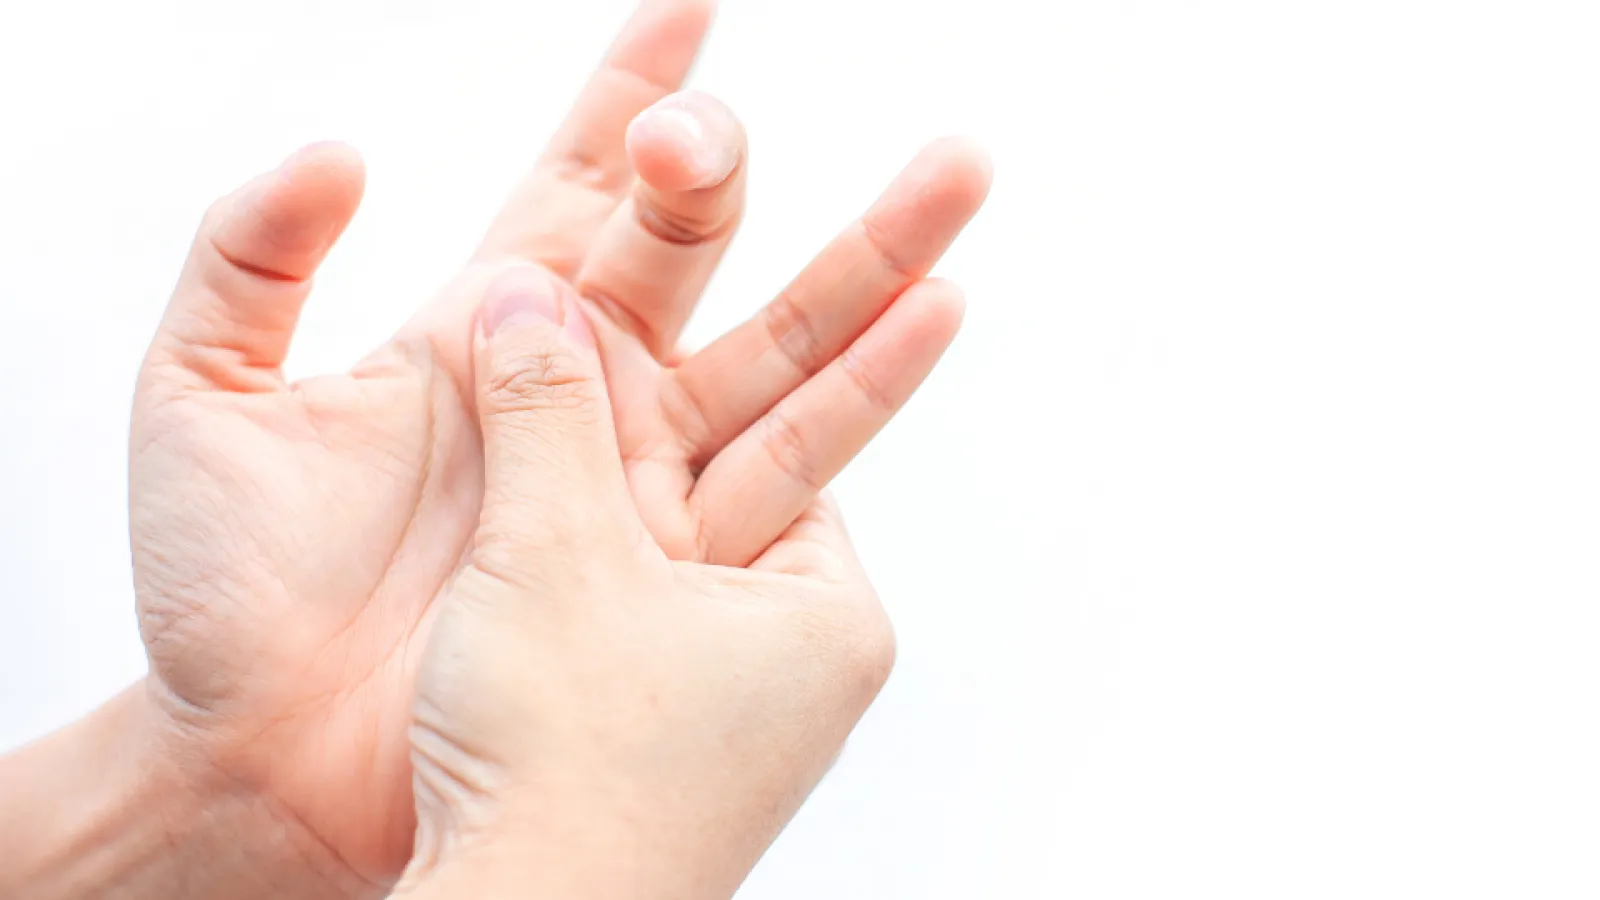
789	451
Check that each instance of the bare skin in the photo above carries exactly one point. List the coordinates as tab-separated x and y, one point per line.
291	541
594	718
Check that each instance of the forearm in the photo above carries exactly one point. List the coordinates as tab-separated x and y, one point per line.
108	807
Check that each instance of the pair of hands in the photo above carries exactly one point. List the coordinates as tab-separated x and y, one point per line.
528	592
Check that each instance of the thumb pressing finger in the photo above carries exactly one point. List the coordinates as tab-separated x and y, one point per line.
553	475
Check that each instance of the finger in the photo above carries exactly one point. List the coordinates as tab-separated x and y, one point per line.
816	545
236	304
753	490
552	475
731	383
651	262
552	217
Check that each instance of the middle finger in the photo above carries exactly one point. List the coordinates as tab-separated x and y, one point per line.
652	260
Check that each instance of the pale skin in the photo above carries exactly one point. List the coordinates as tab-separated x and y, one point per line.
594	718
292	543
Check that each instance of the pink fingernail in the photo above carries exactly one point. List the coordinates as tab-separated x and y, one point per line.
525	295
700	144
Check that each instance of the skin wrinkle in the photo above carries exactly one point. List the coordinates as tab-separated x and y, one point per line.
430	348
875	395
680	226
580	168
426	469
680	230
228	369
687	418
793	333
621	314
703	539
880	241
423	485
253	270
787	448
154	410
285	812
276	811
210	582
429	469
400	650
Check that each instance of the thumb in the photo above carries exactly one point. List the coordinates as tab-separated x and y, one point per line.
235	306
552	473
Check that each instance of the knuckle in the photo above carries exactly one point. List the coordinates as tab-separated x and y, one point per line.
256	241
584	166
871	656
500	557
855	639
680	227
686	412
789	451
620	313
514	552
539	381
793	333
883	247
866	384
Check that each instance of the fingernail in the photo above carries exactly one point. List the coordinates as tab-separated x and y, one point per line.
521	296
693	125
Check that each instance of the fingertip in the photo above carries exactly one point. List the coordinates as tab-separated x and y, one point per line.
948	302
938	306
914	221
687	141
662	37
962	169
696	14
326	153
254	256
330	174
283	223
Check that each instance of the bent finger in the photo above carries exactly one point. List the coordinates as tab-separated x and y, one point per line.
236	305
653	258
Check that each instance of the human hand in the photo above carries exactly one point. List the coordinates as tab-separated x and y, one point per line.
290	539
594	719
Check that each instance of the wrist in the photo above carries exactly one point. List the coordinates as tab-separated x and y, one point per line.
118	804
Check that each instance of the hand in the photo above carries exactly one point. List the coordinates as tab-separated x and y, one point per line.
289	540
592	718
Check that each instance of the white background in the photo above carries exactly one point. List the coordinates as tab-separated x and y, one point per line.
1247	544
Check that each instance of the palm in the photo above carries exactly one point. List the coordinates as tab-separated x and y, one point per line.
289	541
287	547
